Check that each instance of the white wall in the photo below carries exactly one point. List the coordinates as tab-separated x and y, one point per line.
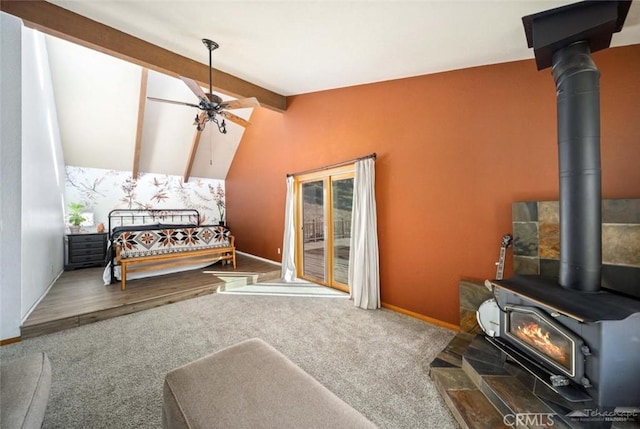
10	167
42	175
31	178
97	100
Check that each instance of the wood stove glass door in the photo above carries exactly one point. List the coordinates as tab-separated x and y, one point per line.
531	329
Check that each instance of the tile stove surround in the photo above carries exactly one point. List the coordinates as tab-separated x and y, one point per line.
536	242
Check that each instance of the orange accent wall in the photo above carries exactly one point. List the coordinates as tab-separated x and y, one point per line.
454	149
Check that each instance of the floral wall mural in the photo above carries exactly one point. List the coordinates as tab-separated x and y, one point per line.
104	190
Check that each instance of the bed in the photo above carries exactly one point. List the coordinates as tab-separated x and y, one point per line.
154	242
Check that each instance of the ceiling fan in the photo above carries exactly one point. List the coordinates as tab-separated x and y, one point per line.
210	104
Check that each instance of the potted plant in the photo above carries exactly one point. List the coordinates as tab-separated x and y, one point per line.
75	216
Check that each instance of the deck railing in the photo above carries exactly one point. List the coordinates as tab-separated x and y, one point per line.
314	229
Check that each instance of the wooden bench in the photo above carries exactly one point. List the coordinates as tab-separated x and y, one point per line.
170	260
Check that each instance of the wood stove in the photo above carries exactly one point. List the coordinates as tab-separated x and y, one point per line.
580	340
585	347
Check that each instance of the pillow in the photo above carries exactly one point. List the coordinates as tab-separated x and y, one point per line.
176	225
116	231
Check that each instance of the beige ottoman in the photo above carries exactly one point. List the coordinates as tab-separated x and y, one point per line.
251	385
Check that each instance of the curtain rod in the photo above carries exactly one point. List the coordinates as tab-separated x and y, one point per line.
339	164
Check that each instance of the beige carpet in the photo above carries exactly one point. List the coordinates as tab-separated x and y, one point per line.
109	374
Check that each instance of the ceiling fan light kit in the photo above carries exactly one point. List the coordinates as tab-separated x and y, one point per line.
210	104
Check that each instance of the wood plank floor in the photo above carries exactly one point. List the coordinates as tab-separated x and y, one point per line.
314	262
80	297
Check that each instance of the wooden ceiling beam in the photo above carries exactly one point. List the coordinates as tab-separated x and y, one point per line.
142	103
62	23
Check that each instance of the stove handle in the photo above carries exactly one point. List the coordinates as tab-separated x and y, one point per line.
559	380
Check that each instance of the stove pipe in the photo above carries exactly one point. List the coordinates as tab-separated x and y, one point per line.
564	38
578	101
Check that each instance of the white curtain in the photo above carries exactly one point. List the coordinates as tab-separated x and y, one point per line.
364	275
289	241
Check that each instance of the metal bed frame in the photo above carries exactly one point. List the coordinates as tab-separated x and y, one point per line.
129	217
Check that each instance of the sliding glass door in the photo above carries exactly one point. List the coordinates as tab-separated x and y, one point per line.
341	205
324	205
314	231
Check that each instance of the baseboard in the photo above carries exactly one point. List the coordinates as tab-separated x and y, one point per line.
422	317
10	341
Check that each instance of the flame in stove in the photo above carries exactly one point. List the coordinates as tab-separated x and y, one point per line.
534	335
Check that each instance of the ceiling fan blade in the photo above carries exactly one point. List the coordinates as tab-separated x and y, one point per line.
195	88
241	103
173	102
235	119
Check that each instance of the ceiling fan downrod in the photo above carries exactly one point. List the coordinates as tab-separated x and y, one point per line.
211	45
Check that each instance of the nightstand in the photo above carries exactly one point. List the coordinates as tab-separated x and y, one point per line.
85	250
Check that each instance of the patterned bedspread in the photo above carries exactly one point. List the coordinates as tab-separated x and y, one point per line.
171	239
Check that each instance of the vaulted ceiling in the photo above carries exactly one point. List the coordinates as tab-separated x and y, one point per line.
269	49
103	112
